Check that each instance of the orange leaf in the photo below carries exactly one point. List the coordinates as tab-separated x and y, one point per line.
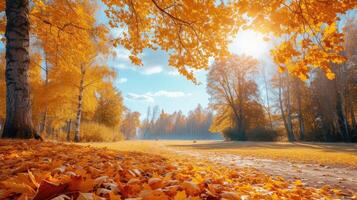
48	189
181	195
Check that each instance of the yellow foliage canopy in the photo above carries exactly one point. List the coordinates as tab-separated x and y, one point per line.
190	31
193	31
308	28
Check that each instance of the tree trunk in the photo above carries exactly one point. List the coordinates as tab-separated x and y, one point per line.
285	120
289	123
79	107
1	124
282	106
241	130
241	98
267	99
300	116
44	120
18	123
239	124
342	121
351	110
69	130
340	87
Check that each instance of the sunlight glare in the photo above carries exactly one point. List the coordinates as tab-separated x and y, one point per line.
250	43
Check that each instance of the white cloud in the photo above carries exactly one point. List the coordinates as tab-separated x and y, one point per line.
122	66
163	93
122	80
149	96
122	54
173	73
140	97
152	70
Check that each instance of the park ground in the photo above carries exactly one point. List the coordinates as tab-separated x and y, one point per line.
316	164
176	170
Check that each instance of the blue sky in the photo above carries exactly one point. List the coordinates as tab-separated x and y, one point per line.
156	83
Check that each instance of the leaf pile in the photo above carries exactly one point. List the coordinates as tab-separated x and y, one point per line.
47	170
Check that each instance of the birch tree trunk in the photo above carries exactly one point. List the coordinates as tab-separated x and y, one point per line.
18	123
79	107
44	119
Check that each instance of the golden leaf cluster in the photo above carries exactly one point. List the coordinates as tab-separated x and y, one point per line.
190	31
307	30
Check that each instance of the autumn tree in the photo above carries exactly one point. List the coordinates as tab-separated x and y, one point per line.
18	123
282	81
130	124
90	77
351	74
309	37
109	108
232	91
55	26
43	16
72	69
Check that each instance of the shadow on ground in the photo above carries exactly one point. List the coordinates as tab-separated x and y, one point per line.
330	147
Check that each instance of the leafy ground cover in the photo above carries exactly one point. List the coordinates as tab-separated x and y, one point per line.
316	164
48	170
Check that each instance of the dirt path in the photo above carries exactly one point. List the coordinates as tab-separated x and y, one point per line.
314	175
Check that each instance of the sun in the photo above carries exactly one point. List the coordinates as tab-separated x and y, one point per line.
250	43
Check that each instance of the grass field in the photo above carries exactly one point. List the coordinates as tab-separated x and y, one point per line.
321	153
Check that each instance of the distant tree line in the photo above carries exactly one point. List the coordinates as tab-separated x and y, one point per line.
162	125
